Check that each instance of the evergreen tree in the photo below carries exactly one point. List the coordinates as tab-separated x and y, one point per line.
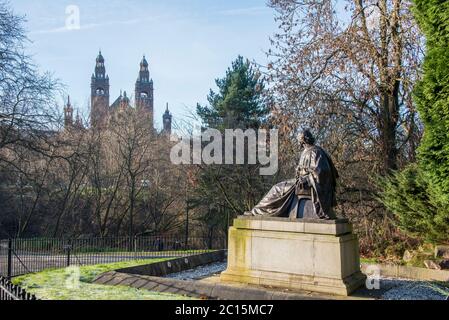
419	195
239	102
432	95
223	191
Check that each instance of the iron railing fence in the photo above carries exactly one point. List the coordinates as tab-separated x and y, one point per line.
22	256
9	291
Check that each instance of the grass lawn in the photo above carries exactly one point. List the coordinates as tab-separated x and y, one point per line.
62	284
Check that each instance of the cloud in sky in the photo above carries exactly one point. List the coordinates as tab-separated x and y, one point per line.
245	11
89	26
249	11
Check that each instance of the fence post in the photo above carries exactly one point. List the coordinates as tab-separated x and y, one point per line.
186	240
135	247
69	246
9	258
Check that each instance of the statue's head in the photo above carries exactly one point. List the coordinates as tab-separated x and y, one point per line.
305	137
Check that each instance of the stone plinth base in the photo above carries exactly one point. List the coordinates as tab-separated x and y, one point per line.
312	255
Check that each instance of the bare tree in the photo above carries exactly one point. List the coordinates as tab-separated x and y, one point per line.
353	63
347	69
28	120
27	113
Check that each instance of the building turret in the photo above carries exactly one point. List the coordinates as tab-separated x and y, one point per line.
144	91
166	120
99	94
68	114
78	122
124	101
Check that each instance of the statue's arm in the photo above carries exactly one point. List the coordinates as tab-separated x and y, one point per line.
318	165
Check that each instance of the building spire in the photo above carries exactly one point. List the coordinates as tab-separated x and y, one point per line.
99	93
68	114
167	121
144	62
144	90
78	121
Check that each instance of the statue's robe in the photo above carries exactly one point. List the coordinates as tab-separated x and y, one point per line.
283	201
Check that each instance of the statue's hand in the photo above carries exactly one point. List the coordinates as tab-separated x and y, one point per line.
298	175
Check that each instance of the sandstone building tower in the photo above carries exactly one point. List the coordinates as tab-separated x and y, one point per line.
99	101
101	109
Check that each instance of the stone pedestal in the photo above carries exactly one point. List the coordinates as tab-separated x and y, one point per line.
311	255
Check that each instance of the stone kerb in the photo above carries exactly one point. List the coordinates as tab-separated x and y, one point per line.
163	268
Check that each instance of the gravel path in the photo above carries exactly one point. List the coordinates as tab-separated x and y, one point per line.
199	272
390	289
401	289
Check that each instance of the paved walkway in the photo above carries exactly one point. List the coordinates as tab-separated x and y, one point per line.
212	288
204	282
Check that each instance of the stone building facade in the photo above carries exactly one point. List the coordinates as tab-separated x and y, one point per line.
101	109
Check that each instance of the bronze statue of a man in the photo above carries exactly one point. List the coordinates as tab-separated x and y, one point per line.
312	194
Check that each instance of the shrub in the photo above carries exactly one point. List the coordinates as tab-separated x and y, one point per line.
409	194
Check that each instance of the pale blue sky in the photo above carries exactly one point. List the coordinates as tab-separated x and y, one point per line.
188	43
